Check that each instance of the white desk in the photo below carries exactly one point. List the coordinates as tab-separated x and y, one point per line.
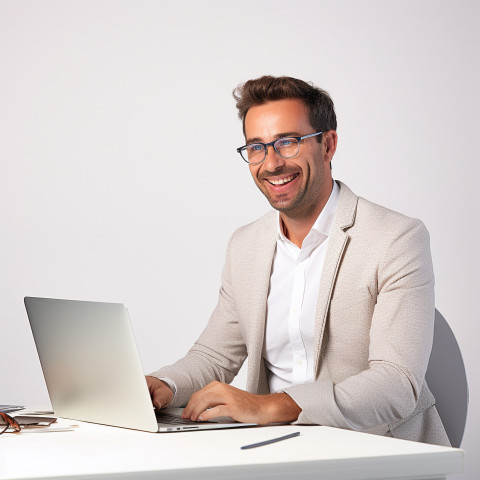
97	452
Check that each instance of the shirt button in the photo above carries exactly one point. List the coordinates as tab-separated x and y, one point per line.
295	310
299	361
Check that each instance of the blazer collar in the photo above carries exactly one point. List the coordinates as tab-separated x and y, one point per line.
347	207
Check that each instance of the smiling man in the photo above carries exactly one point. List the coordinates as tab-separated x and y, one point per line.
329	295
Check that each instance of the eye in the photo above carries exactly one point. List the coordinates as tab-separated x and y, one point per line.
284	142
256	147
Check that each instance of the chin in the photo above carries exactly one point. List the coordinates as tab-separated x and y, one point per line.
284	207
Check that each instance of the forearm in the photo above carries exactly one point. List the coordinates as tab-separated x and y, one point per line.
377	396
201	366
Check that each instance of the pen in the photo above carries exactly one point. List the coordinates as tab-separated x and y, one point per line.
273	440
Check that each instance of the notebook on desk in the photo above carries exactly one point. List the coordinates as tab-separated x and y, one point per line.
92	368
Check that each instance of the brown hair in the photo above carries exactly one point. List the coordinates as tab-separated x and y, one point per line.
319	104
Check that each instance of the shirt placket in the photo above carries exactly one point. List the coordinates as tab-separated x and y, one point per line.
299	371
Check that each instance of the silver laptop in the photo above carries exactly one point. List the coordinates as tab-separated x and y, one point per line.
92	368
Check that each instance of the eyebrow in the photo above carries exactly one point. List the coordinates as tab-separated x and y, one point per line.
276	137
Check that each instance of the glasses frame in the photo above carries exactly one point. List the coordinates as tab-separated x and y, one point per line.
9	422
266	145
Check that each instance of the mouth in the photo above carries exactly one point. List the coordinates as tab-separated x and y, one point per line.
277	182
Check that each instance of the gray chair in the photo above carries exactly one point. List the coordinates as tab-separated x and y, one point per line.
447	380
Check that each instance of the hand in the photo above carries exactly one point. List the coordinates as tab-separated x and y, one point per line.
222	400
159	392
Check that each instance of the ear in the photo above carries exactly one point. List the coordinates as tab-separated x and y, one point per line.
330	139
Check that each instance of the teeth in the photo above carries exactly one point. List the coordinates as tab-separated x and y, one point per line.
282	181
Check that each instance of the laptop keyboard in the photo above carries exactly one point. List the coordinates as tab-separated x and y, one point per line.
174	419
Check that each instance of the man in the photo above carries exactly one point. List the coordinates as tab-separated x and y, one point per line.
330	296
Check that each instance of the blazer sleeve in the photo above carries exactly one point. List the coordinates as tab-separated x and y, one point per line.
219	352
400	341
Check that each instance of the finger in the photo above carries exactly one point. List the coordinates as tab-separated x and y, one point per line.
186	411
159	399
150	383
161	394
201	401
196	407
190	407
214	412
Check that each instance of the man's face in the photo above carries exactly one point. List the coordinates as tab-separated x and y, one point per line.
300	186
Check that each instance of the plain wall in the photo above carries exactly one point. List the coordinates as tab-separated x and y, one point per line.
119	179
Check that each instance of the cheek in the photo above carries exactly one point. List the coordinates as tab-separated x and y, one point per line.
254	171
316	167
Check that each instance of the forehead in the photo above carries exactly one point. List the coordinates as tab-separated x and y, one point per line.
273	118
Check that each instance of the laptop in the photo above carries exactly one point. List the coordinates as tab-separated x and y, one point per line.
92	368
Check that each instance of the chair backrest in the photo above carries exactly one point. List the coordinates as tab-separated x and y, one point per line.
447	380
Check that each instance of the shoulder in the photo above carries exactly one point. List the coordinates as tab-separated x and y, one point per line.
264	226
254	239
380	215
385	243
389	226
372	219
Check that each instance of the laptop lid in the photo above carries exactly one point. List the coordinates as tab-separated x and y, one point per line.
90	362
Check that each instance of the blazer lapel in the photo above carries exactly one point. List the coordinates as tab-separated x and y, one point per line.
337	243
257	290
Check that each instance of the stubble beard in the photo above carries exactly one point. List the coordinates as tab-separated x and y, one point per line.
300	206
292	207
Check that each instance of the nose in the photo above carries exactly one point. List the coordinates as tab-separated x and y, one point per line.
273	161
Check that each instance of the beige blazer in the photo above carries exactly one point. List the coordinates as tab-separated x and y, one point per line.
373	324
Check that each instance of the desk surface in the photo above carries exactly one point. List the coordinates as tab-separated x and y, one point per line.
100	452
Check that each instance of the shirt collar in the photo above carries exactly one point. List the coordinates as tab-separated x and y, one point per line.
321	228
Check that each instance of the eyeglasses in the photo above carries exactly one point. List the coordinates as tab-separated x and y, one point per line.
24	422
6	421
285	147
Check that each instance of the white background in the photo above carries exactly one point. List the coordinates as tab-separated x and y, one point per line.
119	179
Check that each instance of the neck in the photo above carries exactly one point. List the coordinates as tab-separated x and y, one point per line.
297	226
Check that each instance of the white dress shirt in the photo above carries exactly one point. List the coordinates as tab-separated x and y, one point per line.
292	300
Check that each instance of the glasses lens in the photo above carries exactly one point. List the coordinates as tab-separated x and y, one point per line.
254	153
286	147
